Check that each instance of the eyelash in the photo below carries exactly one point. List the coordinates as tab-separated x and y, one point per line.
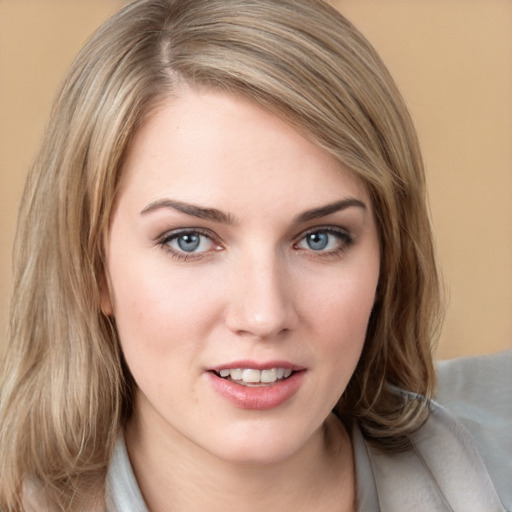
165	241
345	240
344	237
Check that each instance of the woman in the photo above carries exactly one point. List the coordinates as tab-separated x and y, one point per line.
224	239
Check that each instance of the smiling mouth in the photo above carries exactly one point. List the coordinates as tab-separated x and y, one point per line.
254	378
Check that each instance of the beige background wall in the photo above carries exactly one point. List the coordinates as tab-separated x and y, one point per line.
452	60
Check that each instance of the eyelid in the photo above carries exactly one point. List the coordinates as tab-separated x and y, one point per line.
345	236
163	241
337	230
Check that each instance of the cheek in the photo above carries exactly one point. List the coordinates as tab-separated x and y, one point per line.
159	313
345	302
341	314
161	328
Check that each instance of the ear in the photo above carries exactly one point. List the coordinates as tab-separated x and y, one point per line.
107	306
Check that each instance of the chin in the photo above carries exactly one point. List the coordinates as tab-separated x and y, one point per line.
263	444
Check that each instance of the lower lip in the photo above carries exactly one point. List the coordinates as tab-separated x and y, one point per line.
260	397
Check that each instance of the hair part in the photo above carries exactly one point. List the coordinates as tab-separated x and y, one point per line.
66	391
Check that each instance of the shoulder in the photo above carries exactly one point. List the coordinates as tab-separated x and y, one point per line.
442	470
478	392
482	382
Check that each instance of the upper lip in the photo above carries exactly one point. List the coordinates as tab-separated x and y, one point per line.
256	365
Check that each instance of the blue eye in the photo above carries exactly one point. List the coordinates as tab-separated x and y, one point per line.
317	241
189	242
325	240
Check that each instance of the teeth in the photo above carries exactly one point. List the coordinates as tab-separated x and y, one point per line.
252	376
236	374
269	375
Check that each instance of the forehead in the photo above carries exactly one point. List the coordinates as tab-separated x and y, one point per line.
211	146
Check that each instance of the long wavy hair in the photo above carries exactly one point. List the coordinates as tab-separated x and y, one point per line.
65	391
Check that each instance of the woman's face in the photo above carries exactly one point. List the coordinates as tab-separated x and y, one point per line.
243	262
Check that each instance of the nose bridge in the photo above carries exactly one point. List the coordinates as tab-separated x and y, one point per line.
261	301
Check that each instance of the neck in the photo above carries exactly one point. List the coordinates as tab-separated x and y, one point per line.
181	476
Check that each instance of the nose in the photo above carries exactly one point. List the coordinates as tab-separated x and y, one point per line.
261	302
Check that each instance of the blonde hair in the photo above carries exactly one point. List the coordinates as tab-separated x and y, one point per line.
66	391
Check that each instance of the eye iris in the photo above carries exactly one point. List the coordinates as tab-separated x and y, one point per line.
318	241
189	242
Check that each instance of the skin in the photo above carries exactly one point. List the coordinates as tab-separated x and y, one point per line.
256	287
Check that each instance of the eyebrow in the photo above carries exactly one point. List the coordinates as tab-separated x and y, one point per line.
226	218
328	209
190	209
